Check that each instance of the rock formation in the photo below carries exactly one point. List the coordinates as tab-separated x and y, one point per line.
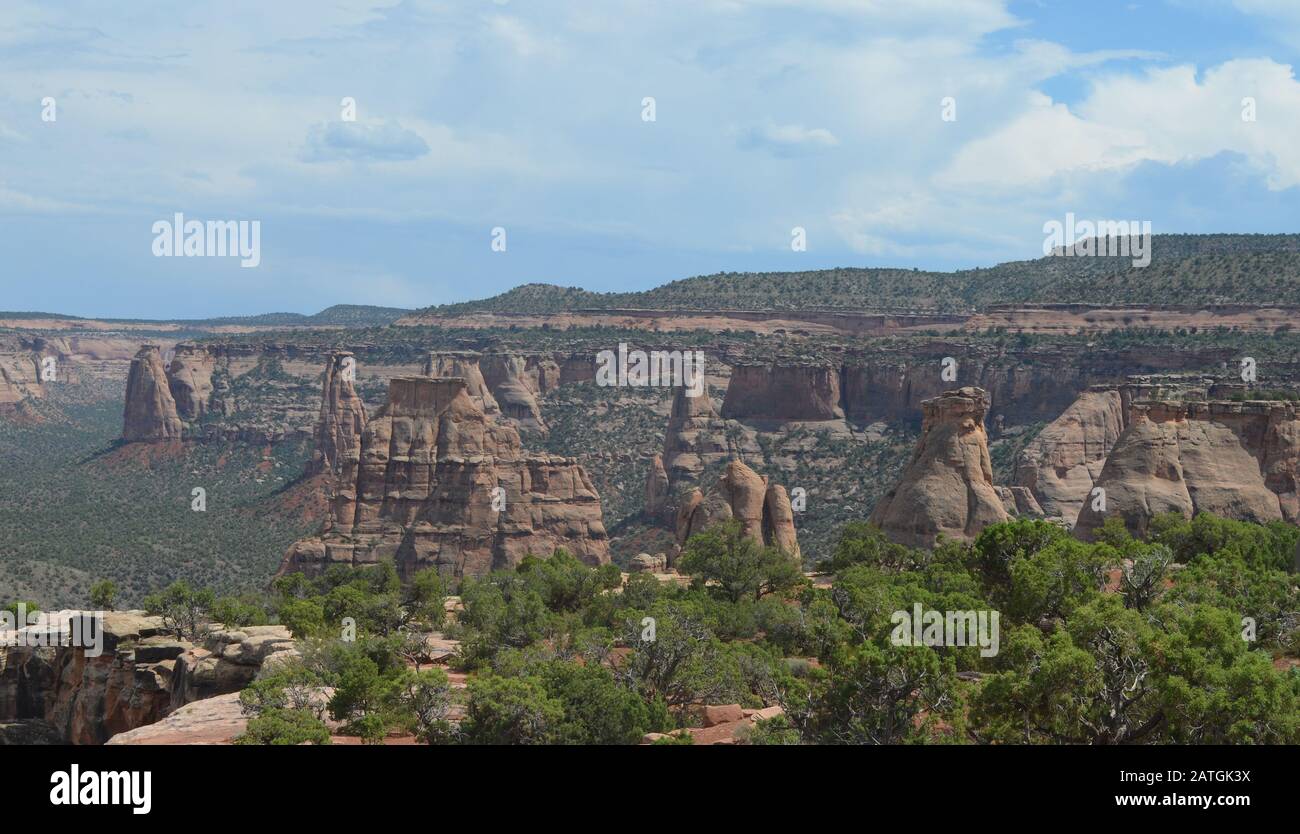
1063	462
141	674
656	486
464	364
783	392
516	382
1235	459
695	441
189	378
20	379
342	419
150	413
740	493
947	487
440	485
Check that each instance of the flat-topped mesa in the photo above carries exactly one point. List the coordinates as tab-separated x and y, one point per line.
786	393
439	485
947	487
150	410
1234	459
342	419
189	378
463	364
516	382
740	493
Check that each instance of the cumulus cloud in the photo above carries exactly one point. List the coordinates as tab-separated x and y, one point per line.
1164	115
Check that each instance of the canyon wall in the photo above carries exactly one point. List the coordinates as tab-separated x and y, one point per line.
783	392
1235	459
141	675
1063	462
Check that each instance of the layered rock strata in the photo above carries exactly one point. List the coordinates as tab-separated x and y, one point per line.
1235	459
438	484
947	487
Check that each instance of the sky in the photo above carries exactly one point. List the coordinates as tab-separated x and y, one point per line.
937	134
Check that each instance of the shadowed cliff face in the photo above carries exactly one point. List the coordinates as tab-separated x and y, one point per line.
783	392
150	413
947	488
438	484
1235	459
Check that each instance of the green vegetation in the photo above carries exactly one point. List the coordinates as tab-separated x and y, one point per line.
75	509
1185	269
1188	637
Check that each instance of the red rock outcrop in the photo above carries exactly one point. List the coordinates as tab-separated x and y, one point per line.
783	393
150	412
696	440
342	420
189	378
1063	462
516	382
741	494
20	379
947	487
464	364
87	698
1235	459
440	485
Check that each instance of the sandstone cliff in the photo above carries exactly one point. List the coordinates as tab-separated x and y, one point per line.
440	485
464	364
947	487
1063	462
342	420
516	382
1235	459
150	412
783	392
189	378
740	493
141	675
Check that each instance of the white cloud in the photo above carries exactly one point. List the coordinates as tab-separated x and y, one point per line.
1163	115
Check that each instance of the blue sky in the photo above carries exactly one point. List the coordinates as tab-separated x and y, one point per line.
769	114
